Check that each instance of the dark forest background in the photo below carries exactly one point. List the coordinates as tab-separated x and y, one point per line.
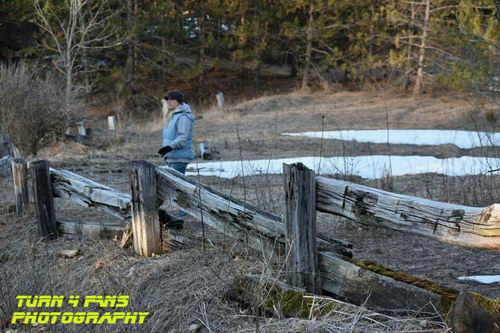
129	53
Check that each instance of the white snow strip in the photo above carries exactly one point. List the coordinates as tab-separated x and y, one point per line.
482	278
371	167
461	139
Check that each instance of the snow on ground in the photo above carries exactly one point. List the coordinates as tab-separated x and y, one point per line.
482	278
370	167
462	139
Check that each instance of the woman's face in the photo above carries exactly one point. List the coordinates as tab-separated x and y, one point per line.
172	103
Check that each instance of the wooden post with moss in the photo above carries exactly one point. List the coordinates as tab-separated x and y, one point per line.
19	179
44	199
300	221
145	222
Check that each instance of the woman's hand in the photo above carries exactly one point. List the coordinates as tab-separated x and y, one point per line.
165	150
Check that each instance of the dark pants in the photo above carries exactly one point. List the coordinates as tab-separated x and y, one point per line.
181	167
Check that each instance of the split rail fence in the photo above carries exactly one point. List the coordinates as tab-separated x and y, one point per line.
313	262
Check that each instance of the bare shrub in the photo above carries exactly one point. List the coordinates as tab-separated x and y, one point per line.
31	106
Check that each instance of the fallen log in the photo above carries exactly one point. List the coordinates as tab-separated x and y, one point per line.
473	227
278	299
88	193
262	230
360	285
282	300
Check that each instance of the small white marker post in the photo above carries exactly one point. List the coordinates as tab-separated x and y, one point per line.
112	123
82	130
220	101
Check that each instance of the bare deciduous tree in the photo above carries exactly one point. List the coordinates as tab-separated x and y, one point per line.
75	29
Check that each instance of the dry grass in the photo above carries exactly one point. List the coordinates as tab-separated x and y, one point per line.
181	289
176	293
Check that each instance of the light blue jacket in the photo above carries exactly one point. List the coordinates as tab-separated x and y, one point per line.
178	134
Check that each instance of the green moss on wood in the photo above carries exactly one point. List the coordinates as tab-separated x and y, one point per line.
289	302
448	295
490	305
406	278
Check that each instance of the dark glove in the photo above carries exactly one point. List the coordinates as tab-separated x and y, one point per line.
165	150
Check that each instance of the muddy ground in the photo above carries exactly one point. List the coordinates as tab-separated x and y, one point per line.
251	130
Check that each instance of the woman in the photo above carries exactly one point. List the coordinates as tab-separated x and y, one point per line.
177	134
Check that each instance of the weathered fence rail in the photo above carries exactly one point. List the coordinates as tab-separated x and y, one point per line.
88	193
262	230
268	233
455	224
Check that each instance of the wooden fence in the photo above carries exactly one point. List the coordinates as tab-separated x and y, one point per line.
313	262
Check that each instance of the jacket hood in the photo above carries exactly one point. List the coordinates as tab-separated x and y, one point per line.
183	108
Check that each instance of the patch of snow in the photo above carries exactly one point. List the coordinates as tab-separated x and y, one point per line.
461	139
482	278
371	167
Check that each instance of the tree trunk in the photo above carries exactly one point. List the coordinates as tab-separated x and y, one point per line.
417	88
131	7
201	78
257	75
69	92
307	65
409	56
293	66
164	62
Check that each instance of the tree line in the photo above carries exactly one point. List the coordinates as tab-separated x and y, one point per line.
413	43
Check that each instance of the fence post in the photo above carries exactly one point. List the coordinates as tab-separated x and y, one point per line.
112	123
20	185
145	221
220	100
300	195
44	199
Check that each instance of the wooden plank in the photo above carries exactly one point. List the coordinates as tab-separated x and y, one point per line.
88	193
473	227
300	232
90	229
145	220
379	292
19	178
44	199
262	230
283	300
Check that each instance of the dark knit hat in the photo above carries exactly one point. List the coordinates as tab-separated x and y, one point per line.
175	94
